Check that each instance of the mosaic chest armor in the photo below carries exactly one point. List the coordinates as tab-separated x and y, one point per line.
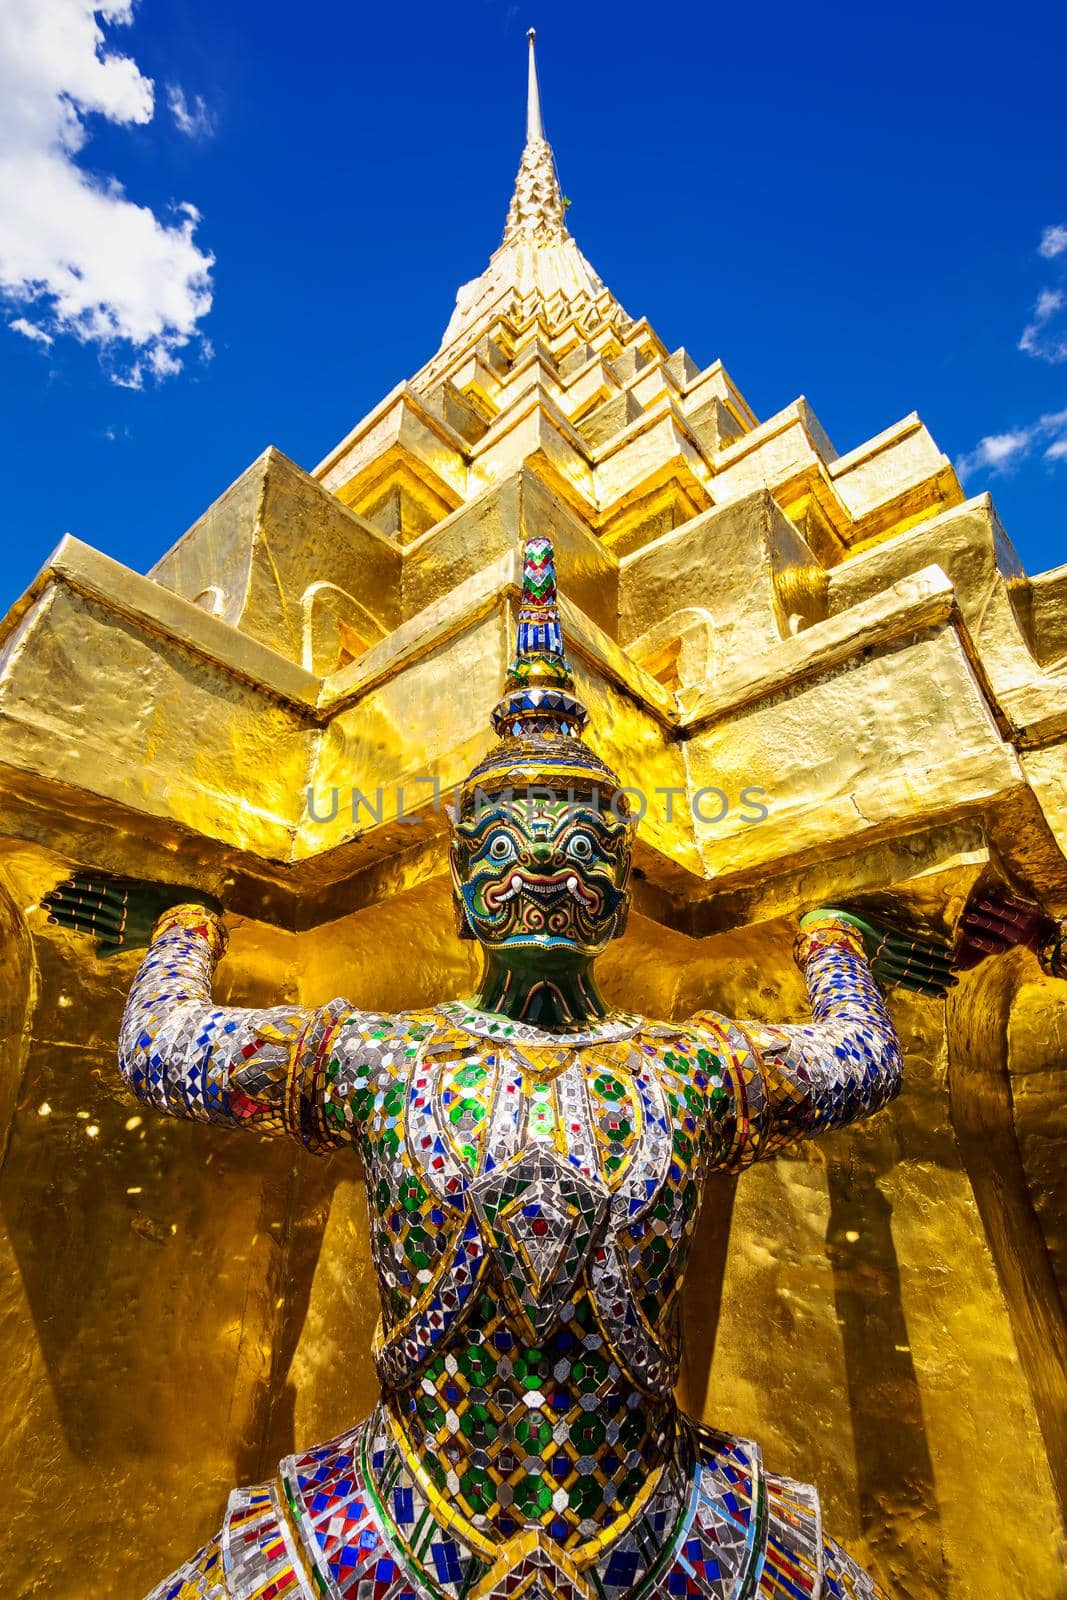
532	1198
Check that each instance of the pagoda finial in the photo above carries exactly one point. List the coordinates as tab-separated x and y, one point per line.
537	266
534	128
536	211
539	721
539	638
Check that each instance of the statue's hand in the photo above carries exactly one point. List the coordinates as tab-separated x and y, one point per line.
119	913
994	922
904	958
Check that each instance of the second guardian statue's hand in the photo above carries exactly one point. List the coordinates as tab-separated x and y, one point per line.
994	921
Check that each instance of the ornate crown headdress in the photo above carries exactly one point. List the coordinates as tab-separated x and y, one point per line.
539	721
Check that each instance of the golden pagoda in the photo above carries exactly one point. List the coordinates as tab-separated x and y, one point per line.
824	676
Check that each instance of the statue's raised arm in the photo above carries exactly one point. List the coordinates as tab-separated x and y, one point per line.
798	1080
279	1070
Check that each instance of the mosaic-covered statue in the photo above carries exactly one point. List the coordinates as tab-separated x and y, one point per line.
535	1163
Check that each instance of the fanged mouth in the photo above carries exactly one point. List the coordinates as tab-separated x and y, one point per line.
544	888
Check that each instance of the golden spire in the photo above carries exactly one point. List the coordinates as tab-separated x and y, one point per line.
536	210
537	263
534	129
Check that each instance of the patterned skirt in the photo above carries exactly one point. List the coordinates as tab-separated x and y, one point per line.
350	1520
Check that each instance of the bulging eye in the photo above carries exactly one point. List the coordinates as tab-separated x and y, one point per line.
580	847
501	848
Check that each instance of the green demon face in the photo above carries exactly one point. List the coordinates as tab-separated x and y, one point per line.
541	874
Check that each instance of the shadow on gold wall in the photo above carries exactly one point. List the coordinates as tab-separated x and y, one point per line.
895	1489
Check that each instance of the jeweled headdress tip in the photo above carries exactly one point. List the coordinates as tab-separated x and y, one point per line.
539	721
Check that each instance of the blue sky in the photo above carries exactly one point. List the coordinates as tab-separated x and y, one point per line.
842	203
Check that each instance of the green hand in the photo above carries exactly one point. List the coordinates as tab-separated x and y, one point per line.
119	913
899	957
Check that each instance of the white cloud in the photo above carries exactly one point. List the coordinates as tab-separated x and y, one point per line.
1038	340
75	252
997	452
30	330
1045	335
1053	242
1000	453
191	118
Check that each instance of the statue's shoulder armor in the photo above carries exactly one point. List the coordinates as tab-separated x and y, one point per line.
361	1059
710	1068
378	1036
713	1029
707	1039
